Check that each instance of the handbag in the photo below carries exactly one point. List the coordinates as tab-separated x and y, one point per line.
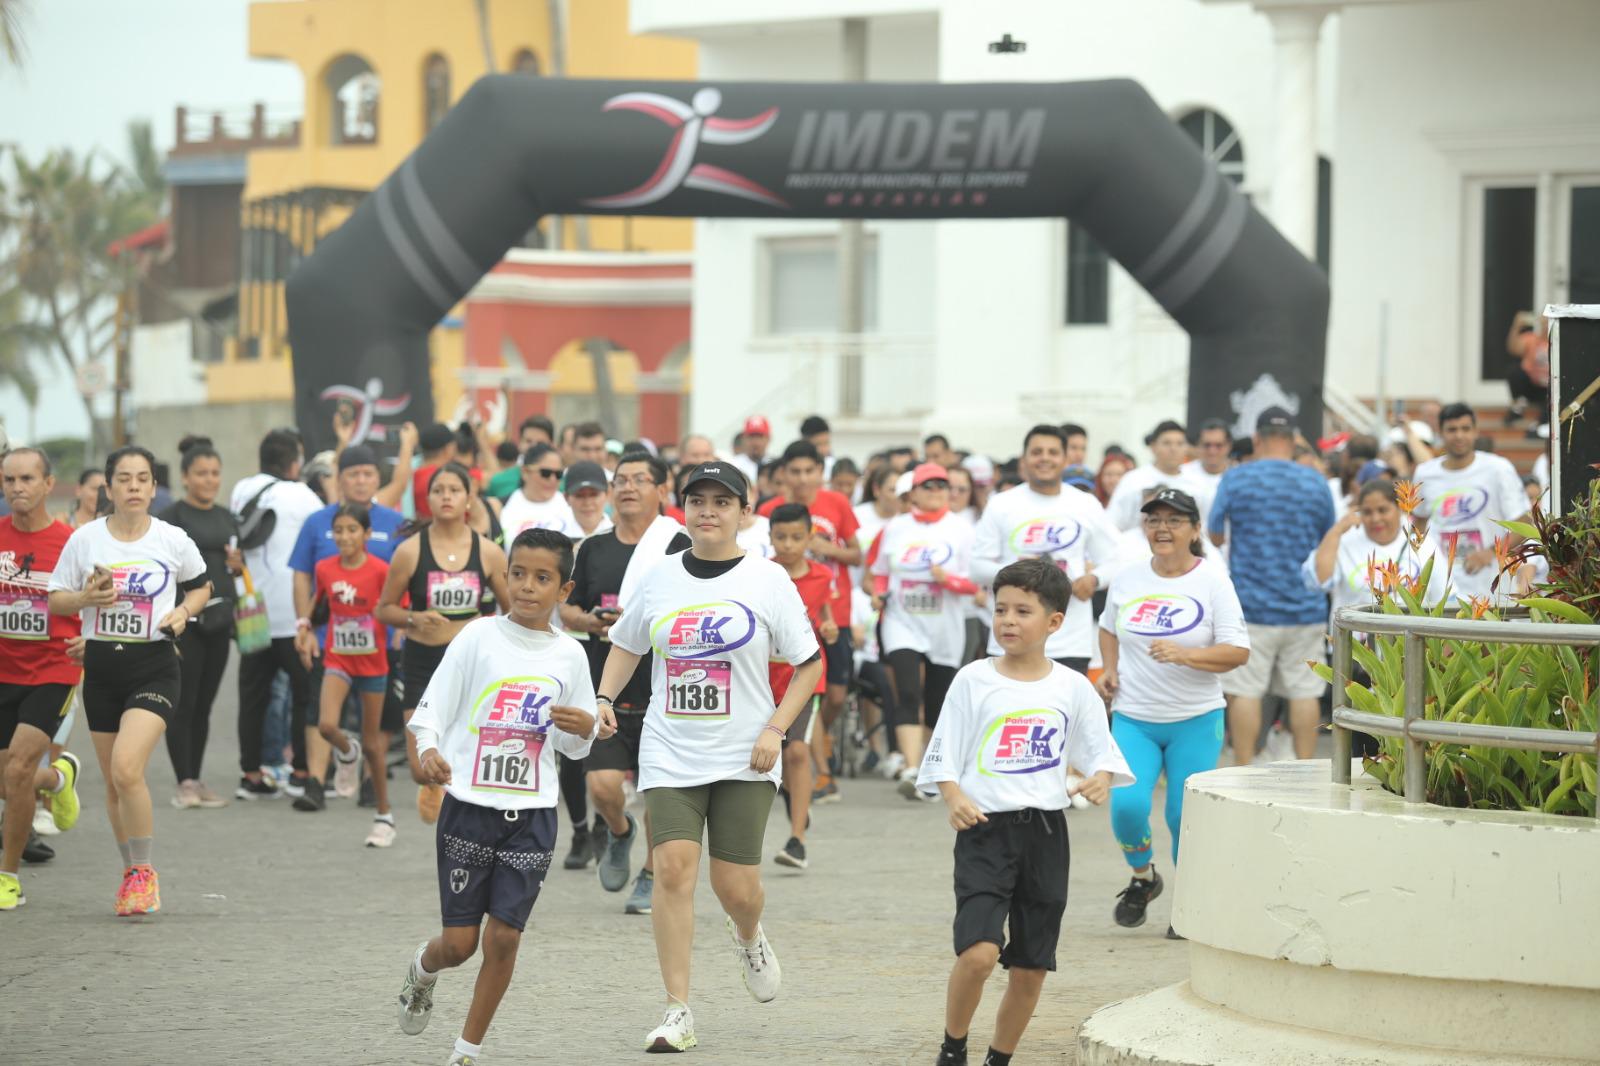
251	630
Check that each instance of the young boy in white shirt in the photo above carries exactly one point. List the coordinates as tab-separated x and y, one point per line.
509	694
999	756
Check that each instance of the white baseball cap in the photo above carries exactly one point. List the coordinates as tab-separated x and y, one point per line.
902	484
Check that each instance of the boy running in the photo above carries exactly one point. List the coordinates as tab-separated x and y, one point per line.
505	687
999	756
791	527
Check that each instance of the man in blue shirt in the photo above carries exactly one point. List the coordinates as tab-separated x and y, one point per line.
359	480
1272	513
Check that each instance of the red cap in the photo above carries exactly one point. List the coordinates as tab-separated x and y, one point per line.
757	426
928	472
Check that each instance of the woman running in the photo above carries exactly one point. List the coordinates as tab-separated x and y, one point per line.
138	582
711	618
1170	629
354	649
204	648
919	571
449	571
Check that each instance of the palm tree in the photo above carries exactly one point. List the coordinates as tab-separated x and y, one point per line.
485	36
12	46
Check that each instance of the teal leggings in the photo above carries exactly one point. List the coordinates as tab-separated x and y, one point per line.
1178	748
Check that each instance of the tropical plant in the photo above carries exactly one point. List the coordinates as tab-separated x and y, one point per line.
12	45
1535	686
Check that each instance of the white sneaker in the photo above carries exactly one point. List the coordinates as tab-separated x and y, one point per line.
382	835
347	772
43	823
762	974
675	1033
416	997
1280	745
908	788
458	1059
892	766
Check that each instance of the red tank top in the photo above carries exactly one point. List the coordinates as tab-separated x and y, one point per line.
33	642
353	641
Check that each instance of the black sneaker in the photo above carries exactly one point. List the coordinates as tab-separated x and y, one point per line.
36	850
315	798
597	839
265	788
952	1057
368	798
1132	901
793	854
581	851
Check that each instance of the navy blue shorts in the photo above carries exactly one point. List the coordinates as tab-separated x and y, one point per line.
841	655
492	862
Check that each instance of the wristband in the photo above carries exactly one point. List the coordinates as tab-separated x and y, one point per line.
607	700
301	623
775	729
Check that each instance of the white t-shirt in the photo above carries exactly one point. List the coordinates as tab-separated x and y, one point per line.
710	640
1123	510
1008	743
1465	506
757	540
921	614
487	712
1195	471
521	513
146	573
1350	584
749	467
1198	609
1069	529
292	502
869	523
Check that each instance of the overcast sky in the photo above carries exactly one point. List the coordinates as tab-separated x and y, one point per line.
91	67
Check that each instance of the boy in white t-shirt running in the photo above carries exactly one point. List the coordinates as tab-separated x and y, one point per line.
999	756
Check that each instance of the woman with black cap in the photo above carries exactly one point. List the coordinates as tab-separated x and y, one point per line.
1170	628
712	618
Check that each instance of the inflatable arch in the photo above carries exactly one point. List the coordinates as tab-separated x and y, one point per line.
516	148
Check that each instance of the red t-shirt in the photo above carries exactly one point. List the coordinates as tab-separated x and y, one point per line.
677	515
33	642
816	588
354	641
834	518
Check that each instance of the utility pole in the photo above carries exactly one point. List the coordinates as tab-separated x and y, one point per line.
852	251
127	313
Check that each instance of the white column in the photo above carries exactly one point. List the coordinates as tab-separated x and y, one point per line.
1294	165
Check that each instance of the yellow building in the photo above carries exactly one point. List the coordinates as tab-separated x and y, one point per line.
378	75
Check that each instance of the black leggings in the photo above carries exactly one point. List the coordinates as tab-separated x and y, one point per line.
256	672
571	773
205	657
919	687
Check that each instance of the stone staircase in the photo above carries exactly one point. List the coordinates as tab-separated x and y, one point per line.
1510	441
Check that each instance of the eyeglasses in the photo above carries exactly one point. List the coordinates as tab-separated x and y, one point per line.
546	472
1174	521
934	483
638	481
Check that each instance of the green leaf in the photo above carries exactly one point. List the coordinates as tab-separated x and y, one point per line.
1560	609
1521	529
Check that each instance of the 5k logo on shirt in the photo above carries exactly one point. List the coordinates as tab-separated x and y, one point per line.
521	702
1161	615
924	556
1042	536
1022	742
704	630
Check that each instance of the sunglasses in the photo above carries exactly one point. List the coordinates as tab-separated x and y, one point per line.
934	483
544	472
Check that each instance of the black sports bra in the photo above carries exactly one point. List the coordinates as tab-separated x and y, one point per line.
456	594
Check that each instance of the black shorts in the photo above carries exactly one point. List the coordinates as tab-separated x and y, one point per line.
418	662
1081	665
841	658
41	706
619	751
394	715
1011	877
120	677
799	731
492	862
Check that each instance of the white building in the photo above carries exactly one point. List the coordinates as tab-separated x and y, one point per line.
1441	157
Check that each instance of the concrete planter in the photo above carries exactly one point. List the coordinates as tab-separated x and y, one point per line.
1332	923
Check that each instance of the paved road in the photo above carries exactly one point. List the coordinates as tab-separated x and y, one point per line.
282	940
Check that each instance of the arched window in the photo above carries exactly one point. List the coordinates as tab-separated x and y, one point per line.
526	62
1218	140
353	90
435	90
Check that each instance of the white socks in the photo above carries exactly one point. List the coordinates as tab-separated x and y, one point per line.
464	1048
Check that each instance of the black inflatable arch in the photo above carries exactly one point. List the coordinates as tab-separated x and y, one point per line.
516	148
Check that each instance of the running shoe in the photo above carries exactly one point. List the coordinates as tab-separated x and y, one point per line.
429	799
639	899
580	854
1280	745
36	850
1132	901
793	854
599	837
294	786
265	788
11	896
187	796
140	892
43	823
869	762
908	788
313	796
382	834
893	765
826	793
64	804
952	1057
416	996
347	770
762	974
209	800
459	1059
675	1033
614	864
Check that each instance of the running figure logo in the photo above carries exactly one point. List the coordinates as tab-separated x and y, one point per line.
693	125
367	403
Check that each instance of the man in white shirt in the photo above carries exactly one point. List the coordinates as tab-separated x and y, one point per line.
1215	442
1169	447
290	503
1466	494
753	447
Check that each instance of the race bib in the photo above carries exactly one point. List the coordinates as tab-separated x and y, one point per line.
354	636
130	618
1465	541
922	597
25	619
697	688
507	759
454	593
609	601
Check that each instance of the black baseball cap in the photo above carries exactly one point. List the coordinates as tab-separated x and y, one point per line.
1176	499
727	475
357	455
586	475
435	436
1275	418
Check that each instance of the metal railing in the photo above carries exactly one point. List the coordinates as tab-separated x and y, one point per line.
1415	730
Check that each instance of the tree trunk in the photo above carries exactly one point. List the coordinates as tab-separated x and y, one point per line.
485	36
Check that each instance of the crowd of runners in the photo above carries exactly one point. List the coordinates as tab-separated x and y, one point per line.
666	641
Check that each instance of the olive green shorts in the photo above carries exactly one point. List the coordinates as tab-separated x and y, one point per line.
732	813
